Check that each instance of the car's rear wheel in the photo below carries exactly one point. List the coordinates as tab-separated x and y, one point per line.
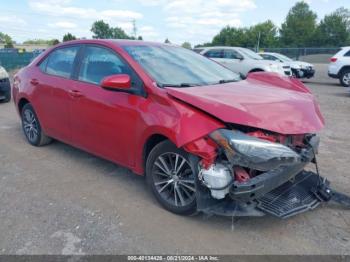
32	128
345	78
171	178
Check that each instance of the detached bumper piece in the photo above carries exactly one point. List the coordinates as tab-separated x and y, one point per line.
294	197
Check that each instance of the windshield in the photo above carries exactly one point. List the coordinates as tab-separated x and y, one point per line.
179	67
283	58
250	54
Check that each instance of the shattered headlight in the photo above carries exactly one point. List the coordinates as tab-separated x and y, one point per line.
252	152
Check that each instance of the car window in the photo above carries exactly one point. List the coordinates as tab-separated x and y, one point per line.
268	57
347	54
231	54
215	53
176	66
99	62
60	62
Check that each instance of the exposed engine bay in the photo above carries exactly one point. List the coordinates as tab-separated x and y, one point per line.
254	172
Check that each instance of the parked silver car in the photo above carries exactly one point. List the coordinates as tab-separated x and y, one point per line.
242	60
299	69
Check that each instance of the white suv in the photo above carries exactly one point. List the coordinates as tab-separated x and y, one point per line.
340	66
242	60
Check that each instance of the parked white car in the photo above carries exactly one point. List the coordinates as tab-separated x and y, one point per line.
339	66
242	60
5	87
299	69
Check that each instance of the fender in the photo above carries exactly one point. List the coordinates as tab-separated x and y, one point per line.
177	126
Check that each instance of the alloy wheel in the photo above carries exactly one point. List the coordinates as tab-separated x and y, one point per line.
174	179
30	125
346	78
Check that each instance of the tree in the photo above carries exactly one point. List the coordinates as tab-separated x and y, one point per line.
167	41
68	37
230	36
54	42
300	25
102	30
140	38
7	40
262	35
37	42
186	45
334	29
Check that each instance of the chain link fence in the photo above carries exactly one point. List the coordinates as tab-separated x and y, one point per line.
15	60
307	54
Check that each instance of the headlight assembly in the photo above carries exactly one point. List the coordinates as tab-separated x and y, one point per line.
252	152
3	73
274	68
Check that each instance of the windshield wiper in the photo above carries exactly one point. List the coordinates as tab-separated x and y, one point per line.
178	85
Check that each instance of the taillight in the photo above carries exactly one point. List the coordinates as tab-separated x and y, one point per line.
333	59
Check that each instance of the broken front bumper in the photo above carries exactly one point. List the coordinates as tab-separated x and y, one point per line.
260	185
283	192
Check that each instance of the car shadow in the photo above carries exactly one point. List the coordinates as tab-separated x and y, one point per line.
137	186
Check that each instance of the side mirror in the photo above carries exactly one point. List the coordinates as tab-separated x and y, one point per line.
241	58
116	82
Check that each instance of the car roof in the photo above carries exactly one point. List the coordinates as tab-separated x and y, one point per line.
220	47
269	53
118	42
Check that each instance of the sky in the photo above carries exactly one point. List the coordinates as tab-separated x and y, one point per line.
194	21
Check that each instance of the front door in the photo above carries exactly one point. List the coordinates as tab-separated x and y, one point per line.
104	122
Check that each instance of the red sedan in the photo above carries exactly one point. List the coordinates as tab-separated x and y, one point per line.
206	139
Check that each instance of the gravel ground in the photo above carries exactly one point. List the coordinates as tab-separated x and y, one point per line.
60	200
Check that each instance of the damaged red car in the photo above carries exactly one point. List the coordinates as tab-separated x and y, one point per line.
205	139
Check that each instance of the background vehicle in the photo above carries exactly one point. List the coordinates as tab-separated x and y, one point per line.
339	66
299	69
206	139
243	60
5	86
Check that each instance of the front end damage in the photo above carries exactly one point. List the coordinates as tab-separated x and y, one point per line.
253	173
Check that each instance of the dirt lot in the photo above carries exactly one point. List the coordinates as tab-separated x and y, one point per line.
60	200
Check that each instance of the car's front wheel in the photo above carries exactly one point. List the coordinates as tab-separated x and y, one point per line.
32	128
171	178
345	78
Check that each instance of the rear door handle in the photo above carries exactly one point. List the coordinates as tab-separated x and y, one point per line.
75	93
34	81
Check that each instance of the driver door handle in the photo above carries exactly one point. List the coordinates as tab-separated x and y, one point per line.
34	81
75	93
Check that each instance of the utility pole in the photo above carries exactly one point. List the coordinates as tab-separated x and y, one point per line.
134	28
258	44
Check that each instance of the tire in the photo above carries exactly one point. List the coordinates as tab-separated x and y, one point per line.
345	78
171	178
32	128
8	97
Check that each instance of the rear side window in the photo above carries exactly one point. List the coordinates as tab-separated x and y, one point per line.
99	62
231	54
60	62
347	54
215	53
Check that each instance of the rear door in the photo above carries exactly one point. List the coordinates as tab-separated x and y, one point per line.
105	122
54	83
233	60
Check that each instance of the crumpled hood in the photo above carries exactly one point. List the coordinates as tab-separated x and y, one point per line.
264	100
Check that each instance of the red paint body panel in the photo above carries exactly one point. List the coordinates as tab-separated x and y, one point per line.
268	102
117	125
